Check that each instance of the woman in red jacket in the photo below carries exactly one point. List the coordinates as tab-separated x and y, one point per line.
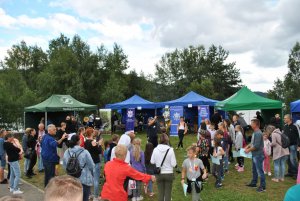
116	172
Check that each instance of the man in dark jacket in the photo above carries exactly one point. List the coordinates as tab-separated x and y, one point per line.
291	131
152	131
49	152
216	118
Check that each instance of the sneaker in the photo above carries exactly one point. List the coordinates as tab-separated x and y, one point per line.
251	185
17	192
241	169
261	189
265	172
236	165
269	174
95	199
140	198
219	185
11	190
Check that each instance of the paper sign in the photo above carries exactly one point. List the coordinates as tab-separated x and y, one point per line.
243	154
70	136
131	184
236	154
184	186
215	160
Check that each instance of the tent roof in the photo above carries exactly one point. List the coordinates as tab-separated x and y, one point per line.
245	99
133	102
58	103
295	106
190	98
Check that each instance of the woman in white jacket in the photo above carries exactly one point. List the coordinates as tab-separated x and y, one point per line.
166	176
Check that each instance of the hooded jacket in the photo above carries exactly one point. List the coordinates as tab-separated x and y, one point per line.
124	140
158	156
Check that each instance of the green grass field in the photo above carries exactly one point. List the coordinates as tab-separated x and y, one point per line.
234	184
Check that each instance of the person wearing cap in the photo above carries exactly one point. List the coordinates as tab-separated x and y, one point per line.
125	139
152	131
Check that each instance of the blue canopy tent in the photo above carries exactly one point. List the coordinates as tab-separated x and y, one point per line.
133	102
190	102
295	110
190	98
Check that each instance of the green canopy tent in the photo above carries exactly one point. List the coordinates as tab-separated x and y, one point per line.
59	104
245	99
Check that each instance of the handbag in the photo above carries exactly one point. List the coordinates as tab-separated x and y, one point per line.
28	153
158	169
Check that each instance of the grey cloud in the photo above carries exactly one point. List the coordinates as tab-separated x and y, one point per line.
268	28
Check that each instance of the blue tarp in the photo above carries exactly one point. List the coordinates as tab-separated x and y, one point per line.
190	98
133	102
295	106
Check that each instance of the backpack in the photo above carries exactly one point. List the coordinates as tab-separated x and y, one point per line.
285	141
73	166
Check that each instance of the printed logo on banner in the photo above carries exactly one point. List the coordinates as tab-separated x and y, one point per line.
176	116
129	113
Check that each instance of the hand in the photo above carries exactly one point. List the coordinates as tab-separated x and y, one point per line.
247	151
64	136
153	178
182	181
204	176
298	148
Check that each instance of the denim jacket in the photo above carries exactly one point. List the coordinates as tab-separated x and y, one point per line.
85	160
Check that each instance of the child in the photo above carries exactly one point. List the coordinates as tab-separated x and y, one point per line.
191	168
149	167
115	140
267	153
238	145
137	161
107	148
216	170
203	145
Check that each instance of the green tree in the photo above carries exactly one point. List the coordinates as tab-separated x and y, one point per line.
194	68
288	89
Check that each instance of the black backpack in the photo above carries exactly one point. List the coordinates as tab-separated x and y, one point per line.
285	141
73	166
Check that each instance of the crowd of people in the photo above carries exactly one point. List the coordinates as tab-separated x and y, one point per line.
129	171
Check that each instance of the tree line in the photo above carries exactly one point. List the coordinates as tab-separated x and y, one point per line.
30	75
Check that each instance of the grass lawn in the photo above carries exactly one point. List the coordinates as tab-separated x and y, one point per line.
234	184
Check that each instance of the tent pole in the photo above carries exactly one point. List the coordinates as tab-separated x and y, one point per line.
155	111
46	119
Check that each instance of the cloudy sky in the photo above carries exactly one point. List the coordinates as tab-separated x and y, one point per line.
258	33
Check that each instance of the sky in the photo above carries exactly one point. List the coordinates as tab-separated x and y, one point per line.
259	34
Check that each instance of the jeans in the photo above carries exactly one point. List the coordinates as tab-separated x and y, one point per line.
40	163
86	192
138	191
279	167
216	173
164	185
26	164
96	174
195	195
225	159
150	186
49	171
257	170
292	162
15	174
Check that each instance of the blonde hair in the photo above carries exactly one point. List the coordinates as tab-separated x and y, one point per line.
137	149
63	188
121	151
238	127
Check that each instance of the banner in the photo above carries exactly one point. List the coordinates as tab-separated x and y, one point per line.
203	113
130	119
175	113
105	117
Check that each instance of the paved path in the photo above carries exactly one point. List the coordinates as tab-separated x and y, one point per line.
31	193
